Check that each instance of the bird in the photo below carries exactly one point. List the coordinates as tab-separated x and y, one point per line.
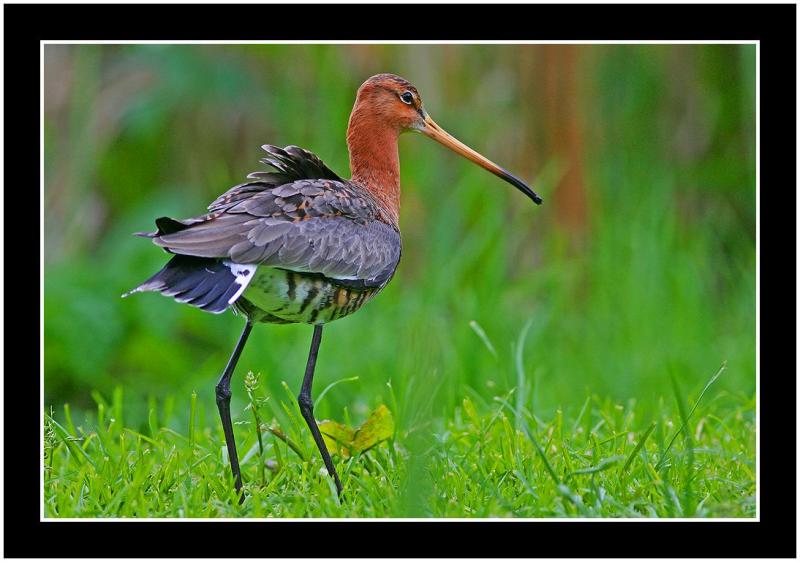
300	244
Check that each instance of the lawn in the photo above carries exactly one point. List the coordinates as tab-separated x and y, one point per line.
492	459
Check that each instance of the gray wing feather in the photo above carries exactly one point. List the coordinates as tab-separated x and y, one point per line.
335	246
292	163
302	217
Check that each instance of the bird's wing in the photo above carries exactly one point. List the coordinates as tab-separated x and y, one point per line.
291	164
324	226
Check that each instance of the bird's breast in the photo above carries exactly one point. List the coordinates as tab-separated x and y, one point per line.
282	296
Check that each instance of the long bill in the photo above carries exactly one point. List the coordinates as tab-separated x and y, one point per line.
434	131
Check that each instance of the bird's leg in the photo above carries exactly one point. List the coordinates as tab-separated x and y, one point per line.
307	406
224	405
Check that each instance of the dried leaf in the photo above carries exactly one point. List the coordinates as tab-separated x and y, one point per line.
338	437
343	440
378	427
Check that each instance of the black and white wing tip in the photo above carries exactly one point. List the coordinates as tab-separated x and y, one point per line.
209	284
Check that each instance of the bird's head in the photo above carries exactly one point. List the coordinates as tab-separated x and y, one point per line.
395	103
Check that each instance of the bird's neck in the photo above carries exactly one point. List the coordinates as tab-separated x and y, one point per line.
375	161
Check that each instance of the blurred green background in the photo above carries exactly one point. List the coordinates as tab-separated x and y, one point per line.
640	263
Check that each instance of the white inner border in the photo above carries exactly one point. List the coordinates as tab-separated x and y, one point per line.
757	518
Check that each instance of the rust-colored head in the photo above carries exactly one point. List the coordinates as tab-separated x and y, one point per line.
391	101
388	103
386	106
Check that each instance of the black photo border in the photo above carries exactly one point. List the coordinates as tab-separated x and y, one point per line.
773	535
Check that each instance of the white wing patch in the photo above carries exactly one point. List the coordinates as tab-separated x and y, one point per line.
244	274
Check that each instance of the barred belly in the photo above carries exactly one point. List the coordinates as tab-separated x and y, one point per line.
281	296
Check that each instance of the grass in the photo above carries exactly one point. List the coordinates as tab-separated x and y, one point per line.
492	459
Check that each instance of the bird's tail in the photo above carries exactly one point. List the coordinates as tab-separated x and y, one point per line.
207	283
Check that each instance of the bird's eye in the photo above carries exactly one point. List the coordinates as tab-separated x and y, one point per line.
407	97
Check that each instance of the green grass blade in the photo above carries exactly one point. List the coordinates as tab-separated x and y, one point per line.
711	381
638	447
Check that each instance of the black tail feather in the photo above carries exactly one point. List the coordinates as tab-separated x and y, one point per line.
202	282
